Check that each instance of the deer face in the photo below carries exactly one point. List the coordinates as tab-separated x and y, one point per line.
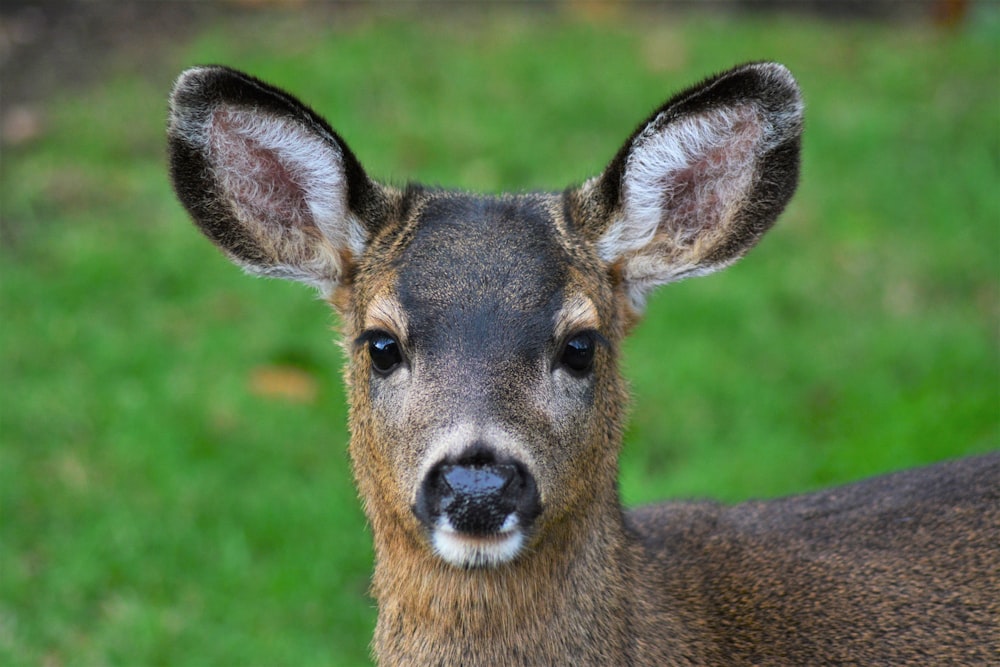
482	332
476	372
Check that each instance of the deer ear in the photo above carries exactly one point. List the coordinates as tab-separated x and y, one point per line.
267	180
697	185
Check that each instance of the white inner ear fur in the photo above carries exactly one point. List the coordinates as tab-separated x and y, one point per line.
685	177
684	181
284	179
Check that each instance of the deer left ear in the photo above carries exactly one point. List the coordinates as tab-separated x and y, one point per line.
700	182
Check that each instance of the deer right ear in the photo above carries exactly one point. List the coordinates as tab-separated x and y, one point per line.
699	183
267	180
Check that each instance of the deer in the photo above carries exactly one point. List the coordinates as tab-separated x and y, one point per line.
482	336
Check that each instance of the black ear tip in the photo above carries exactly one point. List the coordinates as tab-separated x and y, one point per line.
775	72
202	83
189	93
778	84
192	79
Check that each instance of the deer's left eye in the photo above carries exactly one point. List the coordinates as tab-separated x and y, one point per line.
577	354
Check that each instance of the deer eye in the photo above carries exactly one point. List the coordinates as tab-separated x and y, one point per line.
578	353
384	351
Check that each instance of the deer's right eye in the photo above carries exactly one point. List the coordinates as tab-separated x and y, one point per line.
384	352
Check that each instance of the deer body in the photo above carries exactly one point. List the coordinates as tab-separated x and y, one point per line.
487	408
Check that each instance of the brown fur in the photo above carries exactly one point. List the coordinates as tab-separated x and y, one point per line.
472	300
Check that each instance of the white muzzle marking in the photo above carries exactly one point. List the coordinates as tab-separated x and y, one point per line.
465	550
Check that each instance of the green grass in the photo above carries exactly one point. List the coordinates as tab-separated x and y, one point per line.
155	510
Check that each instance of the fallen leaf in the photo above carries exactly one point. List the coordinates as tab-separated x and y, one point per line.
284	382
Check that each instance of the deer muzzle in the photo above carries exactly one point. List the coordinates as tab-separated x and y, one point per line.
477	507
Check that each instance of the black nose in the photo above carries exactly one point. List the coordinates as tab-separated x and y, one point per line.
477	493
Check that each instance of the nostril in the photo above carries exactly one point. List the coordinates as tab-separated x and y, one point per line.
435	480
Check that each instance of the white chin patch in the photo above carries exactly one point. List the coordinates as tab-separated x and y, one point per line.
466	550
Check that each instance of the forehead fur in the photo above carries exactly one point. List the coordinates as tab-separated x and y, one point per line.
467	251
457	264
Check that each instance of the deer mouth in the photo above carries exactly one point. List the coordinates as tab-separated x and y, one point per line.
477	550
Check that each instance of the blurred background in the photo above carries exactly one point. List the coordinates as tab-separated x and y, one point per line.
174	482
